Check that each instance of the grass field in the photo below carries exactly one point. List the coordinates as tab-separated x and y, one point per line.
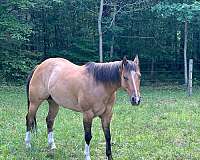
165	126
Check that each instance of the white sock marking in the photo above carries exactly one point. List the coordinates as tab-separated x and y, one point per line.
28	139
87	152
51	140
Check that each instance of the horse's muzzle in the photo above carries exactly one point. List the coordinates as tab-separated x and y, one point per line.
135	100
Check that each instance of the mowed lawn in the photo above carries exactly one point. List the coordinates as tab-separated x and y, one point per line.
165	126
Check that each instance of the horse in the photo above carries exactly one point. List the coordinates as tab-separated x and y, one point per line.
89	89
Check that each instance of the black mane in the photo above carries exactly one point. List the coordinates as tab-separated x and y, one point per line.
107	73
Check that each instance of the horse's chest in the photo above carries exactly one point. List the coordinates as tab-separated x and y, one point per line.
95	101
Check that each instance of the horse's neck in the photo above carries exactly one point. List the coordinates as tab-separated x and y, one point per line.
112	88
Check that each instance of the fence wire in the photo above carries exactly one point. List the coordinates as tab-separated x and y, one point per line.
158	73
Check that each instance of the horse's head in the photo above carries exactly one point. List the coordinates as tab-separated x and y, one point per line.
130	79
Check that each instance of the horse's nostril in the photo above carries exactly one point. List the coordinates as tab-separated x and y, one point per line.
135	100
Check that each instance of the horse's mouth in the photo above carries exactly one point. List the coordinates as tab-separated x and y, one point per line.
135	104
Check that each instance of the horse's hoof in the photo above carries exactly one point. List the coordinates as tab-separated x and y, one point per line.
28	146
87	158
52	146
110	157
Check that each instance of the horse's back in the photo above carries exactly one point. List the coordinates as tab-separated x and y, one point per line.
51	64
57	62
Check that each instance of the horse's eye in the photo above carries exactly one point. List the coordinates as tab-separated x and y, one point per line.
126	78
139	76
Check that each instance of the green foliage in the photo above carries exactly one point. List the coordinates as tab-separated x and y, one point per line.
31	30
12	26
17	66
182	11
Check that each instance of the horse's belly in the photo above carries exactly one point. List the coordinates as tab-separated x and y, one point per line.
67	102
73	107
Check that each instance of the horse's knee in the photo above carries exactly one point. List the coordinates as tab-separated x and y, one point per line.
29	122
107	134
108	137
49	122
88	137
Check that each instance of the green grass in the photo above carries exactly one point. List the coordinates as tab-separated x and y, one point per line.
165	126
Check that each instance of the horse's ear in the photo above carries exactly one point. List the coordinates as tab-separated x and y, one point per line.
124	62
136	60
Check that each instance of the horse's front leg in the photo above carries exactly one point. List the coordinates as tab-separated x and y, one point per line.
105	120
87	123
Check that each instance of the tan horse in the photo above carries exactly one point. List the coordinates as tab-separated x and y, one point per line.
89	89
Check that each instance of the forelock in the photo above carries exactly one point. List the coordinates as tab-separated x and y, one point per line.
130	66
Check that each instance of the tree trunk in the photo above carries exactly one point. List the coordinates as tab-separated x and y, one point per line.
44	35
113	38
197	52
100	32
56	44
152	68
185	52
112	47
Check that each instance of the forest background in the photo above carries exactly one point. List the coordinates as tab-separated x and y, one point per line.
164	33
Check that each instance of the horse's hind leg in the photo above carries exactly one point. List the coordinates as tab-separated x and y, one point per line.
87	124
31	121
53	110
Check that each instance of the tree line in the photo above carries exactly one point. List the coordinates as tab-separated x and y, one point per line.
161	32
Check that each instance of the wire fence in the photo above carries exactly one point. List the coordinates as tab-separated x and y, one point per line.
159	73
156	73
162	73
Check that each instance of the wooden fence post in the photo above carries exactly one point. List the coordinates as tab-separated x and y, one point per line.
190	77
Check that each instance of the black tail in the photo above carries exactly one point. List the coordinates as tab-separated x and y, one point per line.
34	124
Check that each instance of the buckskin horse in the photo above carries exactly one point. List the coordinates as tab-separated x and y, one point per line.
89	89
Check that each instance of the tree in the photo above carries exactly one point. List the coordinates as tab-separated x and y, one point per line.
100	31
184	12
31	30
